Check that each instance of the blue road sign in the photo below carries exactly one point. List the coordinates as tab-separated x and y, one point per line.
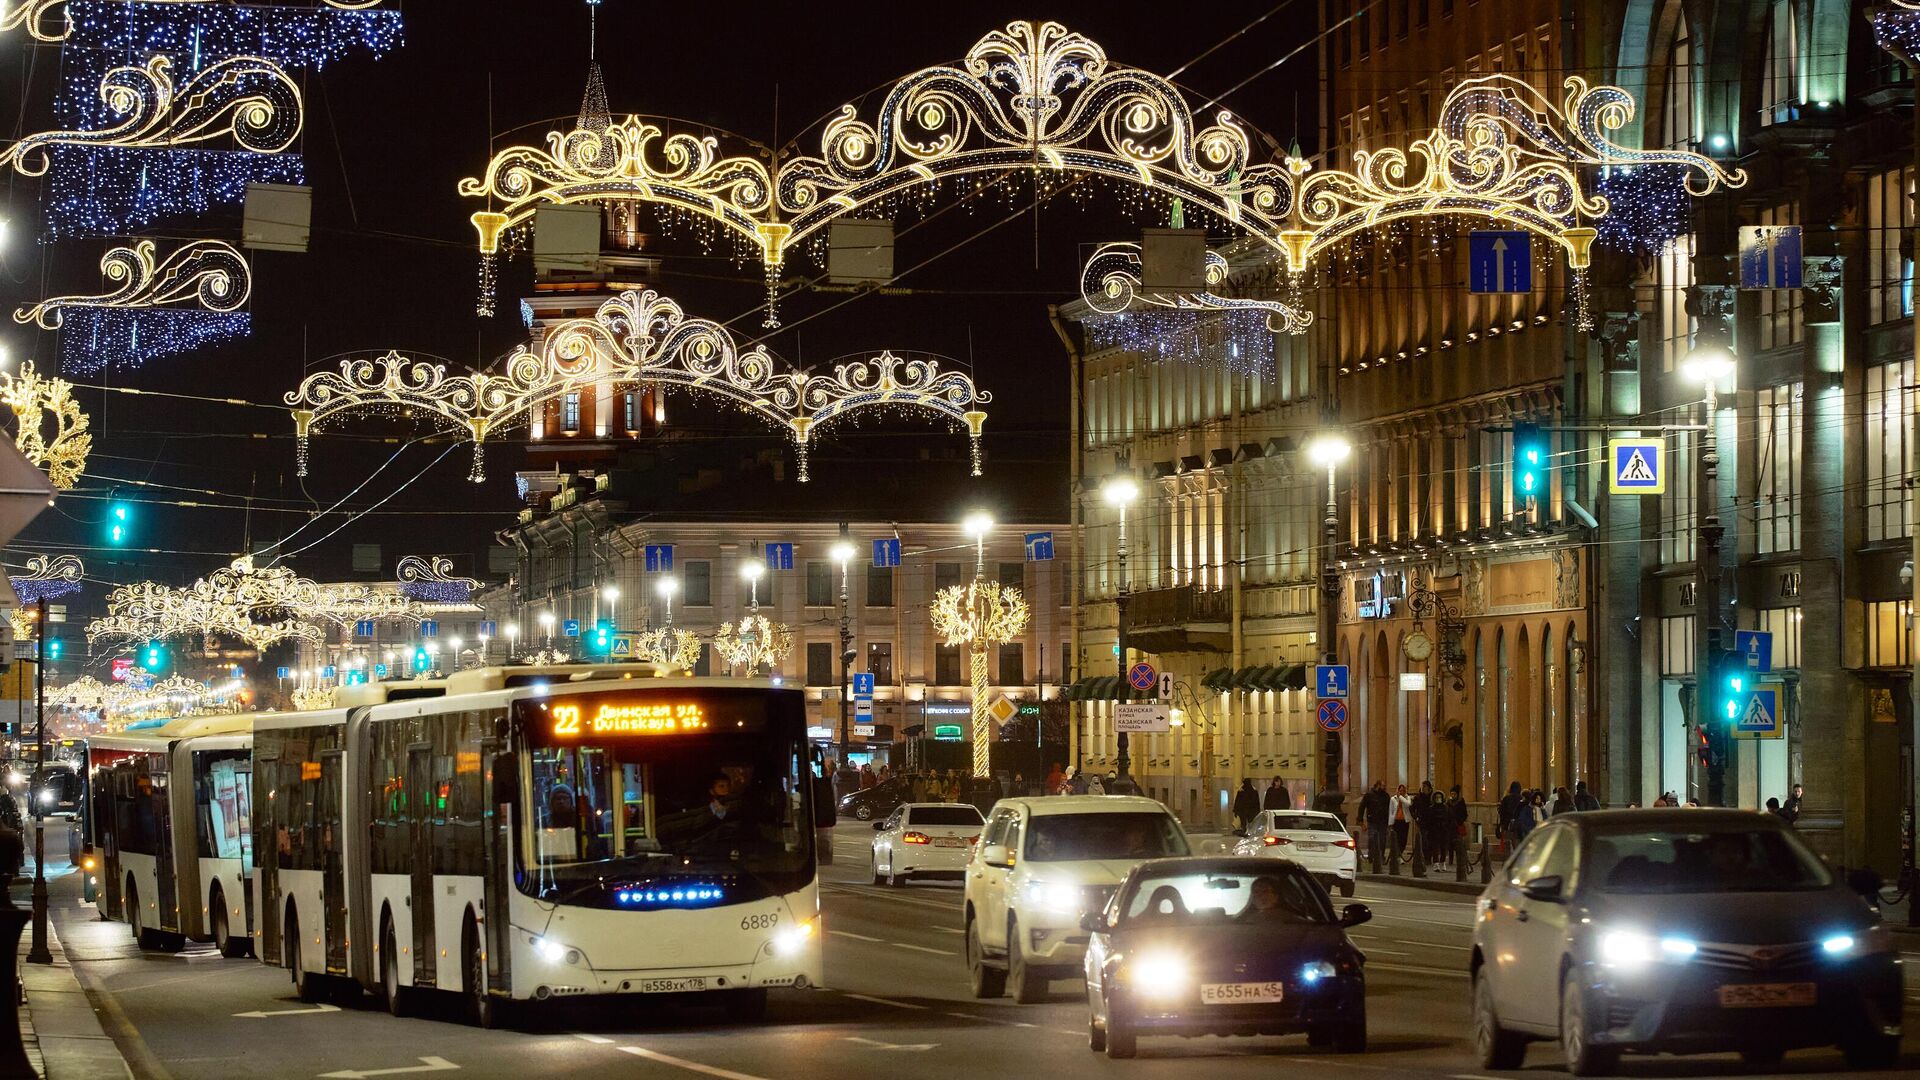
282	672
1499	261
1760	717
1142	676
659	558
886	552
1333	713
571	628
1040	547
363	628
1770	256
329	671
355	678
779	556
430	628
489	628
1330	680
863	684
380	671
1757	647
1639	466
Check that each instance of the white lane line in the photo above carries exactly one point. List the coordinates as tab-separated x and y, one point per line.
598	1040
947	930
1372	951
882	1001
690	1066
922	948
854	936
1413	970
992	1020
1469	1076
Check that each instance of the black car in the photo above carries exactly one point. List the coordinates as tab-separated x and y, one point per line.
877	801
1224	946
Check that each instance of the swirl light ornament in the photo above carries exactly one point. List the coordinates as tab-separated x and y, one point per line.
1110	284
34	14
432	581
979	615
754	644
49	428
209	273
1036	96
678	649
49	577
83	694
635	338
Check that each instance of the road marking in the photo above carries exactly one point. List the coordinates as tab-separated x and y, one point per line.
854	936
947	930
878	1045
922	948
427	1064
881	1000
992	1020
1470	1076
1372	951
315	1011
1410	969
600	1040
690	1066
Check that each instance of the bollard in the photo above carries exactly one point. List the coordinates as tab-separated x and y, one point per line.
1460	858
1419	857
1393	860
1486	862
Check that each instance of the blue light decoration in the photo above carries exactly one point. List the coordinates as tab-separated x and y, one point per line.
1240	340
104	339
677	894
1647	207
114	190
438	592
1896	28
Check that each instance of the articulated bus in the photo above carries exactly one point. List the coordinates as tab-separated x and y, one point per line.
541	833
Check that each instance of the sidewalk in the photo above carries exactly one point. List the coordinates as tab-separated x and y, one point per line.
64	1037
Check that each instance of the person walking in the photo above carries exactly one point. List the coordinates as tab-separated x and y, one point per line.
1276	796
1510	805
1582	798
1400	816
1562	801
1055	777
1456	824
1246	805
1095	786
1529	814
1422	813
1790	810
1374	807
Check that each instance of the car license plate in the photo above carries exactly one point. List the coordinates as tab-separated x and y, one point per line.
949	841
672	986
1240	993
1312	845
1766	995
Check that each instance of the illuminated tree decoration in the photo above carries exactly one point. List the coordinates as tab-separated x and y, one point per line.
679	649
635	338
312	698
1111	284
1037	96
49	429
979	615
125	325
43	24
755	644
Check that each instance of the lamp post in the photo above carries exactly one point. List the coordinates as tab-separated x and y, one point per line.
751	571
664	587
977	525
546	627
1328	451
457	644
1708	364
1121	492
38	951
513	641
842	553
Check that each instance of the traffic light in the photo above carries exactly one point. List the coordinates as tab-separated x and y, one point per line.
422	660
1531	451
119	523
1731	682
53	648
603	637
153	657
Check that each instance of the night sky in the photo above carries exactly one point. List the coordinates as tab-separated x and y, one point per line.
392	263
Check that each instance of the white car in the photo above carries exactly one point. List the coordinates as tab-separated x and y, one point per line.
925	840
1318	842
1041	863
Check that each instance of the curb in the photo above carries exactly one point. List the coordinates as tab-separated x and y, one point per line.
1429	883
60	1024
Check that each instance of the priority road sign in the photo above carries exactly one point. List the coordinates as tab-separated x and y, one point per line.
1499	261
1639	466
1330	681
1333	713
1002	710
1760	715
1757	647
1142	676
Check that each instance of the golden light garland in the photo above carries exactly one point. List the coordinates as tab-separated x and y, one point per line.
754	643
248	98
36	403
1110	284
209	273
979	615
83	694
311	698
635	338
32	14
1037	96
678	649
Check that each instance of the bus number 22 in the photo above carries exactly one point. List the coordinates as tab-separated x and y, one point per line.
566	720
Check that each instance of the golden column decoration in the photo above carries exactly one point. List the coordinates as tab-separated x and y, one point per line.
979	615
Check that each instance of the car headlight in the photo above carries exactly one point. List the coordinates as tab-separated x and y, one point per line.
790	940
46	798
1054	896
1159	975
1632	949
1314	972
1874	939
16	778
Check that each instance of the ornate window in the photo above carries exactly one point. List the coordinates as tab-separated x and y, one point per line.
1889	452
1780	77
1889	268
1777	483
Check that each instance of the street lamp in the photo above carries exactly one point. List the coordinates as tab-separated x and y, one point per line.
977	525
751	570
665	587
546	627
1708	364
842	553
457	643
1328	451
513	639
1121	492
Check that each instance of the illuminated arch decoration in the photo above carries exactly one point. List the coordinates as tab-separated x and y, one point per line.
35	15
1110	284
146	314
679	649
979	615
1038	96
47	578
754	644
84	694
50	430
432	581
637	338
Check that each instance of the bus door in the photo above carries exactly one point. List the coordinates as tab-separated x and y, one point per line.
501	777
243	810
113	788
420	859
333	886
158	811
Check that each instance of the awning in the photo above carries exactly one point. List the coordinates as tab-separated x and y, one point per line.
1259	677
1218	679
1095	688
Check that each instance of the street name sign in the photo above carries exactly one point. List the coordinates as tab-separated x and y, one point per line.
1146	717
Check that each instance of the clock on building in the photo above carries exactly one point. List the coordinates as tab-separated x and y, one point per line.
1418	646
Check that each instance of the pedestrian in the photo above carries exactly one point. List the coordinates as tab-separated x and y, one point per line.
1422	813
1276	797
1055	777
1080	782
1401	818
1582	798
1246	805
1095	786
1457	813
867	780
1510	806
1019	784
1529	815
1790	811
1562	801
1773	806
1374	807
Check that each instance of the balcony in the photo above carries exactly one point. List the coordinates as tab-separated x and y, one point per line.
1183	619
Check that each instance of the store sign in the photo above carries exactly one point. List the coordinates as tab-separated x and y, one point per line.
949	733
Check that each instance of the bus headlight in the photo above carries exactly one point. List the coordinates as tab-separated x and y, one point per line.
553	952
789	941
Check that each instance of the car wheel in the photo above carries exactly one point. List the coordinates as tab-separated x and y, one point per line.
306	985
1583	1058
1872	1051
863	812
986	982
1096	1034
1351	1037
1121	1040
878	877
1495	1046
1346	888
896	881
230	947
1029	986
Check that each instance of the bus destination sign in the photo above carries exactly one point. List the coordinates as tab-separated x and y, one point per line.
575	720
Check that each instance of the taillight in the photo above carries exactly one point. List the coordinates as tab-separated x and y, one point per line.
974	839
1348	844
914	838
1274	841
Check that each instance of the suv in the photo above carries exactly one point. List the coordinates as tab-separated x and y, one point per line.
1039	865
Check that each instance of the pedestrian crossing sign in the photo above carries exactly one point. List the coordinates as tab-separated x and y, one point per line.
1759	717
1639	466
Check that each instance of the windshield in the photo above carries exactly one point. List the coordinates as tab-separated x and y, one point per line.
1307	823
724	802
1073	837
944	815
1198	899
1705	861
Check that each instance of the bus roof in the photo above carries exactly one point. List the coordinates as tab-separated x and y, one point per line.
481	680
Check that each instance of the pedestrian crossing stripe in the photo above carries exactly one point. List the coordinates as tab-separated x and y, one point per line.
1638	466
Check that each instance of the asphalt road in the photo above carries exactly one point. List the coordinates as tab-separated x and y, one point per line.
898	1008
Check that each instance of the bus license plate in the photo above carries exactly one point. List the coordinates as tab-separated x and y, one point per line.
1240	993
1766	995
672	986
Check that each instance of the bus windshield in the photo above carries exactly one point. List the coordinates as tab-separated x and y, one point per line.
630	788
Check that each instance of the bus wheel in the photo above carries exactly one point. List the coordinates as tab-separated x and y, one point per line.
305	983
482	1009
398	999
223	938
155	940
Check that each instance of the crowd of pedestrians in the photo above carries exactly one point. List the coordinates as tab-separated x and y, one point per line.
1393	821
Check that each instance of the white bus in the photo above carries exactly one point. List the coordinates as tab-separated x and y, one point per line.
540	833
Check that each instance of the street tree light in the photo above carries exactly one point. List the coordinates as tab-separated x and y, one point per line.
1328	450
842	553
1709	364
1120	492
